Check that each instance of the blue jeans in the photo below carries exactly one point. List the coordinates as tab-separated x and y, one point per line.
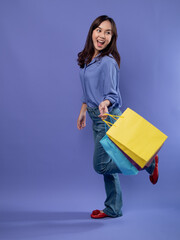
103	164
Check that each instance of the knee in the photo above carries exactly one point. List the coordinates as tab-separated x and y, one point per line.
100	169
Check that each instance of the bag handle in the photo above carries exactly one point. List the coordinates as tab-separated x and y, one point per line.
115	117
108	123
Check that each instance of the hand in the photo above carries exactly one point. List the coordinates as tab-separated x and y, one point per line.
103	108
81	122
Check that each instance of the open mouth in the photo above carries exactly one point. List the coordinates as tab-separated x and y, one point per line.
100	43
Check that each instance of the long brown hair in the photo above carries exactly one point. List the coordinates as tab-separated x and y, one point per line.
85	56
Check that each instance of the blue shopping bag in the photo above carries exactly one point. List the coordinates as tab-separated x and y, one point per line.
118	157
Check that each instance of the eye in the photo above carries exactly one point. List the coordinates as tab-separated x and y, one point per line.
98	30
108	32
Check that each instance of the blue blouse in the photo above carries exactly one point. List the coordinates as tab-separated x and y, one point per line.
100	81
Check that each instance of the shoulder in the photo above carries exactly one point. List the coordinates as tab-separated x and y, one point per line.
109	61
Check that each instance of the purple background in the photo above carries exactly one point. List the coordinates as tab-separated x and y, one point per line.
47	182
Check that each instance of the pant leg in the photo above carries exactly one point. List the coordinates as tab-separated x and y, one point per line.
103	164
113	203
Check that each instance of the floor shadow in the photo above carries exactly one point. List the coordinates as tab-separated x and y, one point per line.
29	225
19	216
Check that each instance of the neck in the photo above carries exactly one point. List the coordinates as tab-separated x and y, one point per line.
95	54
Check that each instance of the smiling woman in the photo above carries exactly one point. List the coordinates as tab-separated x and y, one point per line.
101	36
99	73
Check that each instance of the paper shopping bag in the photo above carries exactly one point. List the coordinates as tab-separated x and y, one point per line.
136	137
125	166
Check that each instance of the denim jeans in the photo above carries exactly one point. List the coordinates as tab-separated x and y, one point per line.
103	164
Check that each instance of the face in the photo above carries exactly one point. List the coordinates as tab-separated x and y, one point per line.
101	36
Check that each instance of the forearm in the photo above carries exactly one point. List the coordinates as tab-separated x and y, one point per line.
83	108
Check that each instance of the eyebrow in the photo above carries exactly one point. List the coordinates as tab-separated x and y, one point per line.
106	29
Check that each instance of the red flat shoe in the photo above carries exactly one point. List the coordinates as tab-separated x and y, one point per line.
98	214
155	175
95	212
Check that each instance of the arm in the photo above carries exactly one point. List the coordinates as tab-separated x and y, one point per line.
110	88
111	83
81	122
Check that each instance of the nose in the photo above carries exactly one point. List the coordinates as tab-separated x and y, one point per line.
102	34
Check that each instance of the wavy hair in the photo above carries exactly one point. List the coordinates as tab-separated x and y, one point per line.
85	56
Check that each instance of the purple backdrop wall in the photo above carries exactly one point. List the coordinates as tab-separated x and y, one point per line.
42	154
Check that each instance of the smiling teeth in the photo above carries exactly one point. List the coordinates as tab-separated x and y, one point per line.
101	41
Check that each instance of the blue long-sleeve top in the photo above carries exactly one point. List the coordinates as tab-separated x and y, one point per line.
100	81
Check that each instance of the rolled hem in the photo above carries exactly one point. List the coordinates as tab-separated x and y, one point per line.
113	216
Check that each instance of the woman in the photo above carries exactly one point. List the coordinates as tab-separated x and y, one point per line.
99	73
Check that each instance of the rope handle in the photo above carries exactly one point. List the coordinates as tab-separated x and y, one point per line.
108	123
115	117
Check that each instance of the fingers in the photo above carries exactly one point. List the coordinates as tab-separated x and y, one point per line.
81	125
103	110
78	126
102	116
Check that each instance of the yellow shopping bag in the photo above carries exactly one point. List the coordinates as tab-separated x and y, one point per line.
136	137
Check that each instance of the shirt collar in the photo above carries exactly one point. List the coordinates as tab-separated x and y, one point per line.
94	60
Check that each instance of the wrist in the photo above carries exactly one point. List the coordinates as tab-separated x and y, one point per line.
107	103
84	108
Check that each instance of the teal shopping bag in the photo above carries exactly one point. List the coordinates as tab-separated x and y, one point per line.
125	166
